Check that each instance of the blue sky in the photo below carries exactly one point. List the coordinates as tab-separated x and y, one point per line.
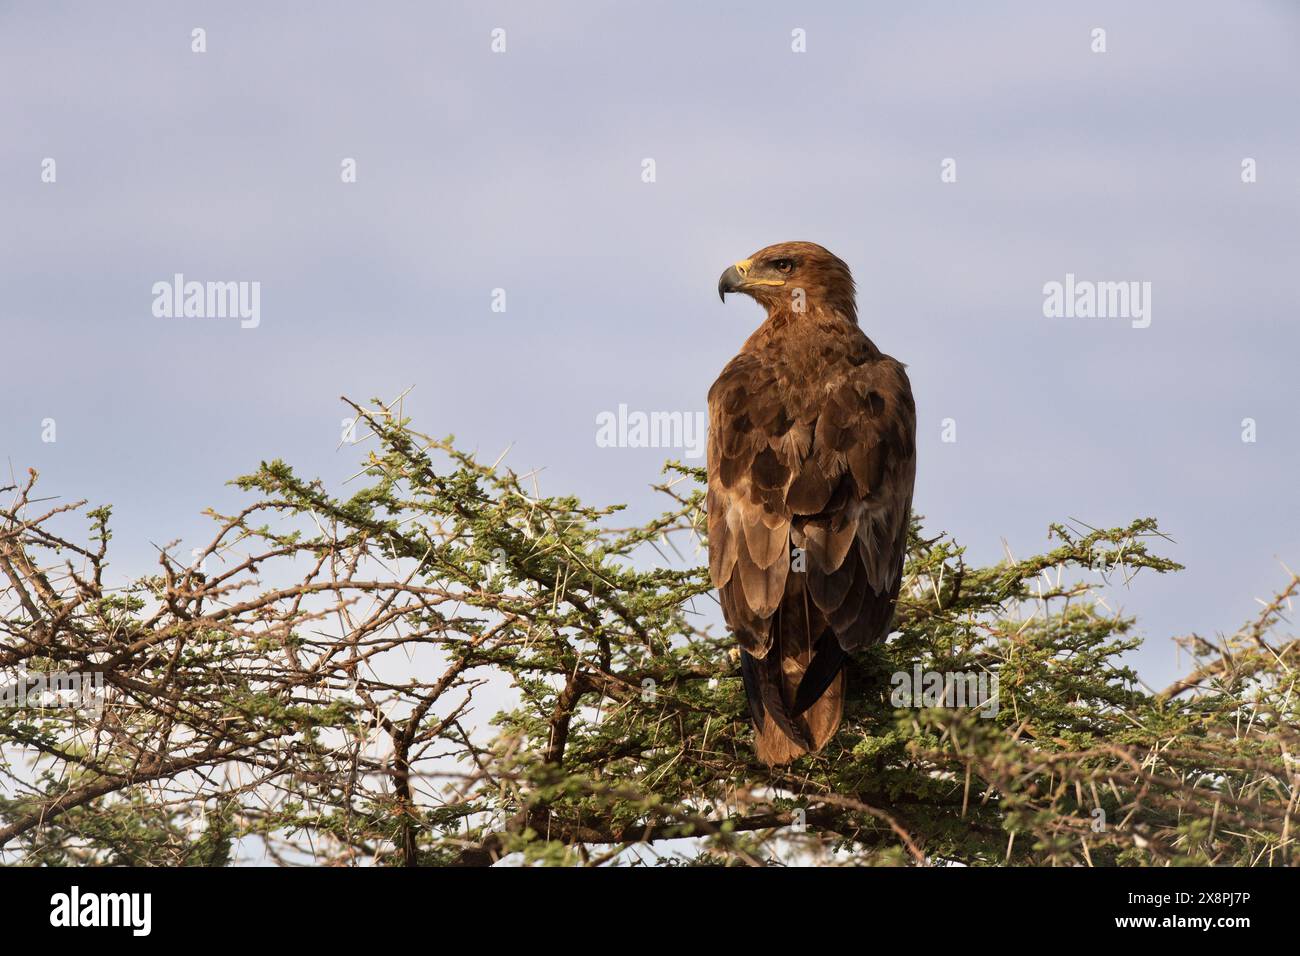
522	171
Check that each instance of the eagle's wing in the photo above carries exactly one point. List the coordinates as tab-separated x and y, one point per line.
825	466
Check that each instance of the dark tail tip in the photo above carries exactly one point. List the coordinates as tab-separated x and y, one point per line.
763	688
821	672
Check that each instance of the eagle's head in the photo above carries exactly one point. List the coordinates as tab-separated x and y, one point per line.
793	277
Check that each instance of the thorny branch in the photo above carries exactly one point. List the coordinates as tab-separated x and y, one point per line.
449	667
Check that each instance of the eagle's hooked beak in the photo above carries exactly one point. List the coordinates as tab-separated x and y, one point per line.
731	281
737	279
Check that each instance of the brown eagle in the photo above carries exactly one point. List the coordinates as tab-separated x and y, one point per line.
812	457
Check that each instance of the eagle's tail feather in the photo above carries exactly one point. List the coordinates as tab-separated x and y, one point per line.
790	671
766	675
749	665
825	667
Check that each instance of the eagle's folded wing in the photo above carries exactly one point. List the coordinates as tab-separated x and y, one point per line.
828	470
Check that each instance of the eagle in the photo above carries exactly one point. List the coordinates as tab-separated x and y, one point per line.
811	463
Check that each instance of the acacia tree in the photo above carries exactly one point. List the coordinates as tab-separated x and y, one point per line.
446	667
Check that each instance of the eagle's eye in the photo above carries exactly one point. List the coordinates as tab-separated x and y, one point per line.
783	266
